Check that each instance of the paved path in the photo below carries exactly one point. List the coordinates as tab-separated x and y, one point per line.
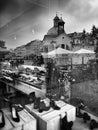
80	125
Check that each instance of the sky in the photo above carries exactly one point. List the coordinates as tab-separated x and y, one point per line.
22	21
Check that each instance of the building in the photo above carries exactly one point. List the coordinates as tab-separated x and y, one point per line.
34	47
2	44
3	50
82	40
20	51
56	36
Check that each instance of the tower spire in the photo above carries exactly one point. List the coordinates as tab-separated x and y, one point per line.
56	20
61	25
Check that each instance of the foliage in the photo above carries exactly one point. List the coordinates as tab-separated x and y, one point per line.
94	31
52	76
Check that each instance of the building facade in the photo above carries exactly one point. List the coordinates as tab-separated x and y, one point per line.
82	40
2	44
34	47
20	51
56	36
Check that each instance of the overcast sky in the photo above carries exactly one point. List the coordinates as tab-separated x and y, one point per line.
24	20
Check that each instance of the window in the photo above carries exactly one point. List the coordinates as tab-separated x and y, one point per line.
63	46
67	47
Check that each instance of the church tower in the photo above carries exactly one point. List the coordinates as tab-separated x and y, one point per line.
61	26
56	20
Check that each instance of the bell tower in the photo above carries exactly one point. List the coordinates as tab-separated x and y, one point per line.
56	20
61	26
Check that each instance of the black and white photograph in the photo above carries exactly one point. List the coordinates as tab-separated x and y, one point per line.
48	64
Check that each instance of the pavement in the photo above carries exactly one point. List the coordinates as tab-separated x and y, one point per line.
80	125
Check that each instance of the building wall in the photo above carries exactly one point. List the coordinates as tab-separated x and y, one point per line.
20	51
34	48
63	39
88	47
2	44
86	58
77	41
60	40
81	59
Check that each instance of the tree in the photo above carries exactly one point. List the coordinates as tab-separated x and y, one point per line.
95	37
93	31
49	67
83	37
52	76
96	49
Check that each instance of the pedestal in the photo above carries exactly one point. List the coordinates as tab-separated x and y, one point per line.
27	122
50	120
